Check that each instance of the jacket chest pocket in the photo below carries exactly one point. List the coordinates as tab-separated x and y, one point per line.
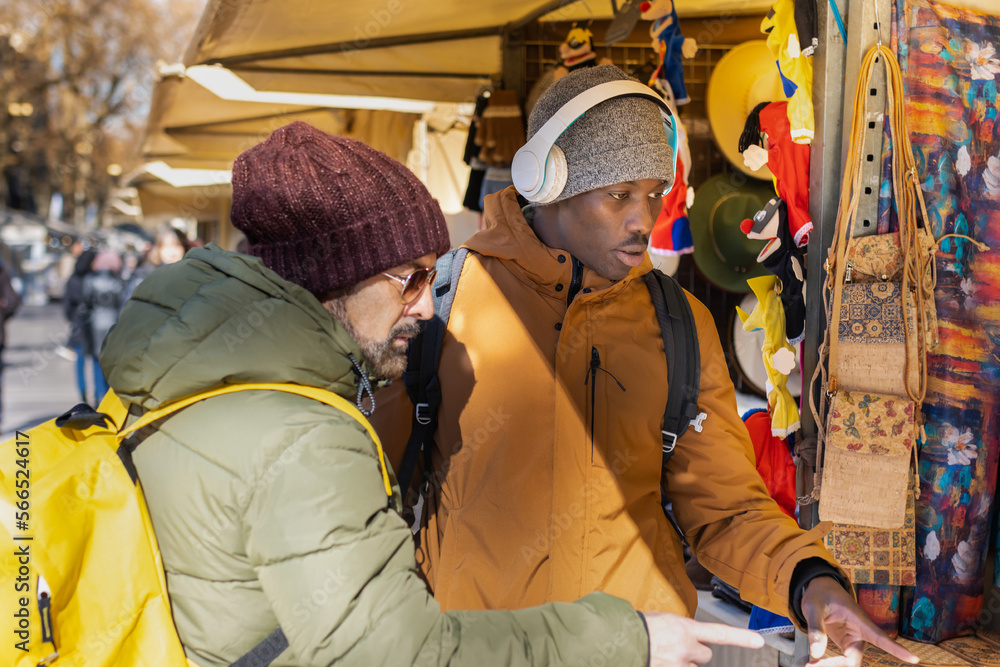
624	403
603	391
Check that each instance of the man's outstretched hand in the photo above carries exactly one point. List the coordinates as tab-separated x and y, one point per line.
676	641
830	612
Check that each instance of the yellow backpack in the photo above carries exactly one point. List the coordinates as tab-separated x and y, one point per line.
80	570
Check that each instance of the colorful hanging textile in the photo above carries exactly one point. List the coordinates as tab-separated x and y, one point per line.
951	72
881	603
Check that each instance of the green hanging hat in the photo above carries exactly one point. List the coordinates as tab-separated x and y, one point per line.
723	253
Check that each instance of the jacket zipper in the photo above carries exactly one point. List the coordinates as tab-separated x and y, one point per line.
595	365
576	280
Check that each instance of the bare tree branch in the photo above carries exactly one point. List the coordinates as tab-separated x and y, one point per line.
86	68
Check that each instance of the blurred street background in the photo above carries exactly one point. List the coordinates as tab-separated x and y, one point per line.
39	375
77	82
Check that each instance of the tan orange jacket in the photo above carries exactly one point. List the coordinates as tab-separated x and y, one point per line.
548	475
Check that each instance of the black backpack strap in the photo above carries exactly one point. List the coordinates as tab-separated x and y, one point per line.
421	378
680	344
264	653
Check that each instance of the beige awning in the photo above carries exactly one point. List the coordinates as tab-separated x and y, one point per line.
187	123
601	9
292	51
289	51
190	127
193	136
437	50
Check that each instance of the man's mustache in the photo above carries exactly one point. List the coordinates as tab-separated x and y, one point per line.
408	330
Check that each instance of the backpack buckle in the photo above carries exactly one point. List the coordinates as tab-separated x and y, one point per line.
423	413
668	447
698	421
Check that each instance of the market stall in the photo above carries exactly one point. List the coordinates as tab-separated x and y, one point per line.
772	129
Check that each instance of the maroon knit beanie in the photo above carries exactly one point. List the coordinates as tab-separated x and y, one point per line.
327	212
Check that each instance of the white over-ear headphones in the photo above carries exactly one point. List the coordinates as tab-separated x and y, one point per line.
539	169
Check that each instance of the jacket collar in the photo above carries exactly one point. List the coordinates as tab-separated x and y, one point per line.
218	317
509	237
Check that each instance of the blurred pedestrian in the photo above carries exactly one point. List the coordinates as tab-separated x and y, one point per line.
169	247
10	301
102	292
131	259
76	312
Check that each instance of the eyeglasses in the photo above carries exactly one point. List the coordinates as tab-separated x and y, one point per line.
414	283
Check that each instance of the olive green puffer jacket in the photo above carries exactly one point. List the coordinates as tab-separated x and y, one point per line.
269	508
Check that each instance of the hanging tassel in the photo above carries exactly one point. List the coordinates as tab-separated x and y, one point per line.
806	452
817	488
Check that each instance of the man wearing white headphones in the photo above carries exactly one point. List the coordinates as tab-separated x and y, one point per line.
548	451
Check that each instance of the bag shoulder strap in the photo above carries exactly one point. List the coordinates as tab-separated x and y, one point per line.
680	344
273	645
421	378
321	395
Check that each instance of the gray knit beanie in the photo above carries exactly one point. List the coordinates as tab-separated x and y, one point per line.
621	139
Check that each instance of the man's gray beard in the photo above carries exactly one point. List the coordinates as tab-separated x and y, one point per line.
386	361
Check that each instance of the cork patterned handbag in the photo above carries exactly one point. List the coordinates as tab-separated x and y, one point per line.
871	439
875	342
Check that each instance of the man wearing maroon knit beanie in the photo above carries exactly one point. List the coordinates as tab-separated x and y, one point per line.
276	513
350	225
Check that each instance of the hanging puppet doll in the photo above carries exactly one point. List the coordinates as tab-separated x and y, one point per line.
767	125
671	233
785	222
792	52
672	48
779	357
576	52
782	258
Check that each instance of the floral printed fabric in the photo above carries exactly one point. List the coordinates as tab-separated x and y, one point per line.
874	424
875	258
951	73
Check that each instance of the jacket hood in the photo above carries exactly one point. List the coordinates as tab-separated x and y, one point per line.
218	317
508	236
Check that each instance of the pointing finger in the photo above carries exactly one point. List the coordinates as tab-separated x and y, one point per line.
892	648
716	633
